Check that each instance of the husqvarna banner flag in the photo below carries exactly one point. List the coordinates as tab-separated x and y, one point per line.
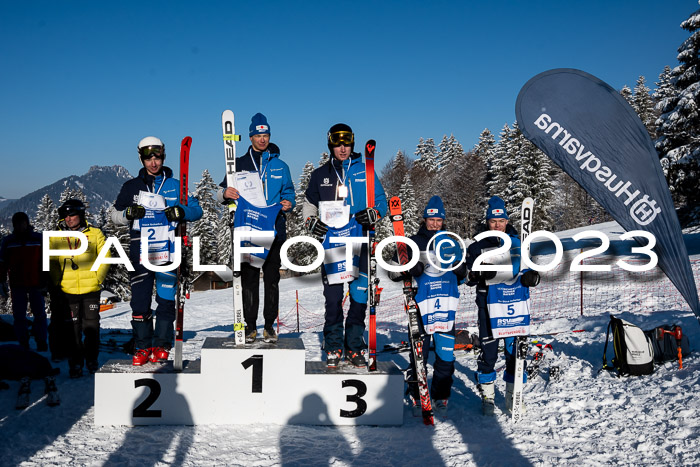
589	130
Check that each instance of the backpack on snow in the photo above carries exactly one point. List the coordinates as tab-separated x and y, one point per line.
634	354
665	345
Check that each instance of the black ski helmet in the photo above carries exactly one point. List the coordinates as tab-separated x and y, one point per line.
71	207
340	132
149	145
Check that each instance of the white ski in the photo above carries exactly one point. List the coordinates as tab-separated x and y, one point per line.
230	137
520	346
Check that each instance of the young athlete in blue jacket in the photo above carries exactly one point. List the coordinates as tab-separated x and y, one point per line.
149	204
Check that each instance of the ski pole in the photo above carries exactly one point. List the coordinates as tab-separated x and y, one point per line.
678	333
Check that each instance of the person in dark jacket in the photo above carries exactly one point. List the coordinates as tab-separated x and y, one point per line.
437	297
342	184
496	220
20	258
263	159
150	205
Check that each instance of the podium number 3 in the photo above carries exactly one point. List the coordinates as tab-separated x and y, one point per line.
360	404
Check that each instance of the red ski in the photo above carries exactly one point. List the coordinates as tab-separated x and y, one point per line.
415	336
183	281
373	291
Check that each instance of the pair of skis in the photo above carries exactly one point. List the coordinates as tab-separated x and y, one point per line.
415	336
183	276
230	137
521	344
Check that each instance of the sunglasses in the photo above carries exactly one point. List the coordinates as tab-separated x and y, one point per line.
344	138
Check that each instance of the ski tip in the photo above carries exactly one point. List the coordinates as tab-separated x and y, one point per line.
370	145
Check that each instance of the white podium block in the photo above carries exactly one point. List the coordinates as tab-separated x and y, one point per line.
255	383
152	394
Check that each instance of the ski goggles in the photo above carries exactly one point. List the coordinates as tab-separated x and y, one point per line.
345	138
64	212
152	151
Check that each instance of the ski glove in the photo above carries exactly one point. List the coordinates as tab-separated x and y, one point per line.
417	270
367	217
135	212
476	276
530	278
174	213
315	227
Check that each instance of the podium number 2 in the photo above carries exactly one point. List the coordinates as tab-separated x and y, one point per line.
256	361
142	410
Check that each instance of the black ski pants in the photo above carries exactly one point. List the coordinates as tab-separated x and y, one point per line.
85	311
250	282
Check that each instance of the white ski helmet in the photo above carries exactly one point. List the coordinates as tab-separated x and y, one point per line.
150	142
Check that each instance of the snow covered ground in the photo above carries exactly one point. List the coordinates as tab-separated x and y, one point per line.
586	417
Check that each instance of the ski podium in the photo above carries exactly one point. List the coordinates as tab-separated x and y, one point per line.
246	384
237	383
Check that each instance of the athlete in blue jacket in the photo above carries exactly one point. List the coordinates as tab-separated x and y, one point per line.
496	219
263	158
155	187
437	296
343	179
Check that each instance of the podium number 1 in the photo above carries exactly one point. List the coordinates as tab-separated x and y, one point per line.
256	361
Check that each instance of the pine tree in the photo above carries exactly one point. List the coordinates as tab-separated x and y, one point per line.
533	178
506	163
463	193
46	215
497	174
393	173
484	152
426	156
324	158
117	280
206	228
424	170
626	92
665	91
678	127
223	239
643	104
301	254
411	212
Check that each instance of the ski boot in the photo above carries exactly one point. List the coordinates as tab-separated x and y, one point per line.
440	408
25	390
250	337
356	359
333	358
158	355
488	396
141	356
269	336
51	391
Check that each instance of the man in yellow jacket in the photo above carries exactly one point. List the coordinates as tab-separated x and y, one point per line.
79	285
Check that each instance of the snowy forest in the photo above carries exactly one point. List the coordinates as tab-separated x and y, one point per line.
502	163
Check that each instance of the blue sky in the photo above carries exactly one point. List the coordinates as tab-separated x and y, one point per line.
83	81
